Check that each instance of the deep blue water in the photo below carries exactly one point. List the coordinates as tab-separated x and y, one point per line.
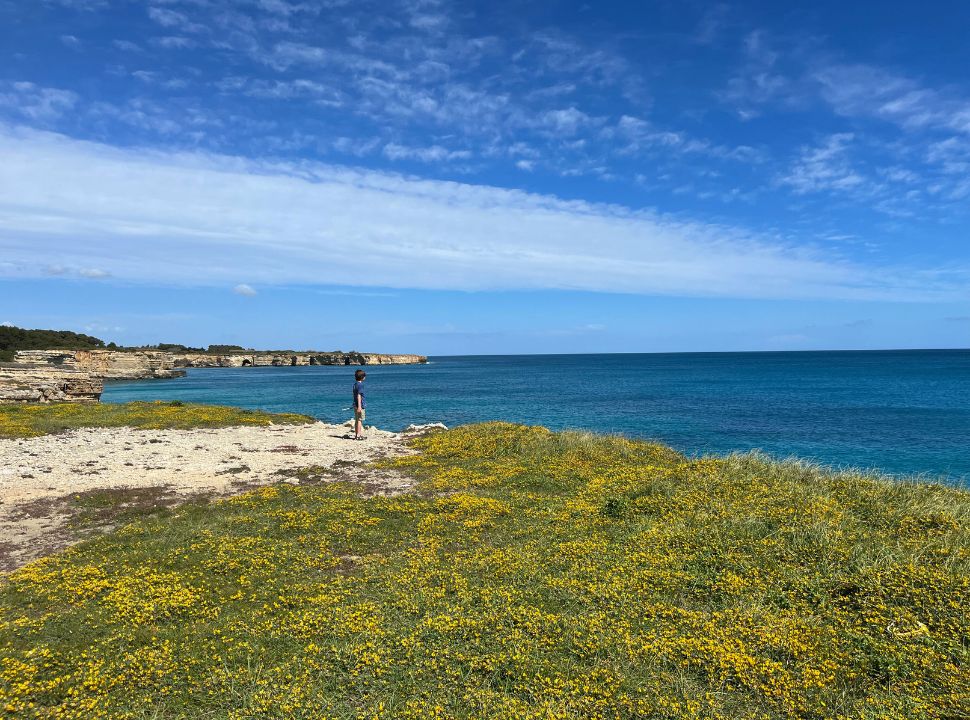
900	412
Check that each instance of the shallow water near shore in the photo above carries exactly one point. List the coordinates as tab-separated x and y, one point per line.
899	412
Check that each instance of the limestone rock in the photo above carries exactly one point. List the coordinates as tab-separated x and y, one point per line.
45	384
425	428
268	359
106	364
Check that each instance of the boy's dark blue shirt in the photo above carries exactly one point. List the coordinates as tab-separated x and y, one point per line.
359	390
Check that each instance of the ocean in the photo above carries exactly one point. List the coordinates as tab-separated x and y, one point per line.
897	412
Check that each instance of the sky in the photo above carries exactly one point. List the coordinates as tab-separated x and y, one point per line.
501	177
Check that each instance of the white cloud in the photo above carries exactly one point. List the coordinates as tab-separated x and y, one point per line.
434	153
7	323
282	7
244	289
758	80
172	19
203	219
34	102
93	273
636	135
174	42
825	167
356	146
865	90
298	88
567	121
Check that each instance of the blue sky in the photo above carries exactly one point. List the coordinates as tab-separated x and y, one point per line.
499	177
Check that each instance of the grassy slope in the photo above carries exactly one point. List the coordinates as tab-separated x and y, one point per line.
534	575
32	420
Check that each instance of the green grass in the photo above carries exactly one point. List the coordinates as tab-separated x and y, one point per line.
18	421
531	575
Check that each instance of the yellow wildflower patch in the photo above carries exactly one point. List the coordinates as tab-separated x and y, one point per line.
531	575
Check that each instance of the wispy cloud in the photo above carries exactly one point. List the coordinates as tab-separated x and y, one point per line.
126	45
174	42
866	90
94	273
204	219
35	103
433	153
244	290
171	19
759	81
825	167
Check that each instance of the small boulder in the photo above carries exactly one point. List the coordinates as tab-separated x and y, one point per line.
427	427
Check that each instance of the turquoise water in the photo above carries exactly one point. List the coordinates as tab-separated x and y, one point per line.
901	412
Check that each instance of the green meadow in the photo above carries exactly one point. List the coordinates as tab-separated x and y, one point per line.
529	574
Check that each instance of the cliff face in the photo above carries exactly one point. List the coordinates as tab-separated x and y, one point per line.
292	359
76	375
44	384
106	364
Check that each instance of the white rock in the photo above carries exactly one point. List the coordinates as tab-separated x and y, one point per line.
425	428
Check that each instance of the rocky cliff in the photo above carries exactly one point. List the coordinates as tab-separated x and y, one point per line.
78	375
105	364
45	384
260	359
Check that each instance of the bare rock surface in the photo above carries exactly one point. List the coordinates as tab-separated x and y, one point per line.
107	364
426	427
266	359
45	384
78	375
40	477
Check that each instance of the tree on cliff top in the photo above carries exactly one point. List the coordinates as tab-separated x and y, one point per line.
15	338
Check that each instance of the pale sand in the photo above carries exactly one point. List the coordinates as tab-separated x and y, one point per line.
36	474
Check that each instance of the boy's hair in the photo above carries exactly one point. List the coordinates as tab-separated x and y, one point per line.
360	375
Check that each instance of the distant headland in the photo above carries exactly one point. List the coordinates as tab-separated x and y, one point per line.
63	366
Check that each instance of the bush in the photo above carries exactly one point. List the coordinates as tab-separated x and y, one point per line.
15	338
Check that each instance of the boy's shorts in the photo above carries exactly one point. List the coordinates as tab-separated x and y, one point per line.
359	415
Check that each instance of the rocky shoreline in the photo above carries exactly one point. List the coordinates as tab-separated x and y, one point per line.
267	359
49	484
42	376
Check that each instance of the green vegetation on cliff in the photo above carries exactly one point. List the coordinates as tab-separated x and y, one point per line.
532	575
15	338
32	420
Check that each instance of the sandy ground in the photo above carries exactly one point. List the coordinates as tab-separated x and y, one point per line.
44	479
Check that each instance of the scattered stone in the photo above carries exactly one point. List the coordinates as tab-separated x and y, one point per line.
209	463
427	427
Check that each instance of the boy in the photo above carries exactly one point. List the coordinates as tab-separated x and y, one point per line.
359	405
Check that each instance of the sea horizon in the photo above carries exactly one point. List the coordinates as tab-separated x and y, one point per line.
896	412
694	352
